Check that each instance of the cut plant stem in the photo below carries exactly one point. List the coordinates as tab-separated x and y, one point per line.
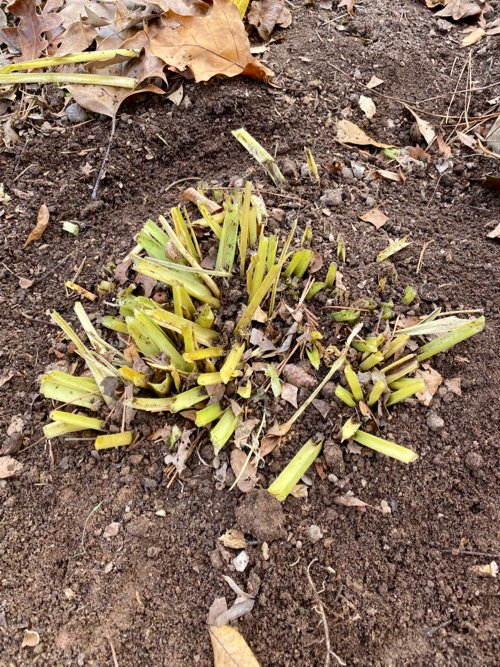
297	468
283	257
331	275
349	429
231	362
257	299
345	396
260	267
450	339
348	316
377	391
405	392
204	353
224	429
385	447
314	289
114	440
134	377
208	379
159	338
57	61
352	381
371	361
260	154
393	248
213	221
396	344
172	321
229	238
77	420
311	165
341	247
176	403
71	227
208	414
62	78
409	295
244	234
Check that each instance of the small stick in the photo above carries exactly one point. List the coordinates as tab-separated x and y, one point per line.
459	312
83	551
421	258
113	652
321	612
181	180
105	159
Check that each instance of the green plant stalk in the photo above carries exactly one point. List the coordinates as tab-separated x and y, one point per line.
314	289
162	388
231	362
260	268
228	239
114	440
160	339
171	277
341	247
207	379
345	396
294	263
409	295
409	367
377	391
190	344
246	390
371	361
82	421
134	377
401	383
244	238
176	403
57	61
450	339
271	252
297	468
281	262
98	343
257	299
311	165
140	337
260	154
105	287
206	317
82	382
156	232
331	275
205	337
71	228
352	381
208	414
396	344
211	220
204	353
314	358
62	78
385	447
252	226
303	265
57	429
366	346
224	429
393	248
347	316
152	247
182	233
349	429
57	391
406	392
176	293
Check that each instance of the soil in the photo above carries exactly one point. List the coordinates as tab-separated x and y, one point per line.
396	588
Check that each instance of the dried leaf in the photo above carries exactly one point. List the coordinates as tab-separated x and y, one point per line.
349	133
30	639
41	225
25	283
289	393
248	478
425	128
240	563
77	38
177	96
461	9
230	649
454	385
322	407
374	82
195	197
32	26
208	45
148	284
432	380
468	141
265	15
489	570
233	539
121	271
349	501
389	176
418	153
375	217
473	37
493	136
492	182
6	377
495	233
9	467
348	4
367	105
443	146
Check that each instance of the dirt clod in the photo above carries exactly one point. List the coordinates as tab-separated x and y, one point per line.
334	457
261	515
434	421
474	461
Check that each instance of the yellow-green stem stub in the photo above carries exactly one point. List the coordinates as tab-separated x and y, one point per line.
114	440
297	468
385	447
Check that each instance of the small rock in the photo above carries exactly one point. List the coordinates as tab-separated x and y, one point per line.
135	459
153	552
138	527
473	461
64	464
76	114
347	174
328	391
332	197
334	458
261	515
314	534
434	421
241	561
278	214
111	530
443	26
254	582
304	170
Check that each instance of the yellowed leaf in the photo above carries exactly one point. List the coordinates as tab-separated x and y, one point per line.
207	45
41	225
230	649
367	105
388	175
473	37
375	217
350	133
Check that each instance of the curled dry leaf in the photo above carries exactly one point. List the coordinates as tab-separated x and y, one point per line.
443	146
9	467
322	407
350	133
348	4
289	393
207	46
389	176
425	128
375	217
233	539
367	105
460	9
30	638
266	14
473	37
230	649
41	225
454	385
432	380
374	82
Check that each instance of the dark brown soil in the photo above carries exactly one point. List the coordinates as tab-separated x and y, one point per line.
396	587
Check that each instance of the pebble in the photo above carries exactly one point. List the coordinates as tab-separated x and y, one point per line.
473	461
332	197
304	171
434	421
76	114
111	530
138	527
314	534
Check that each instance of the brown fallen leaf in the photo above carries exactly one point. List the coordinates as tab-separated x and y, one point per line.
297	376
77	38
367	106
31	27
388	175
495	233
492	182
322	407
289	393
375	217
25	283
30	638
443	146
348	4
230	649
248	478
425	128
348	500
266	14
207	46
233	539
461	9
374	82
41	225
467	140
418	153
349	133
454	385
6	377
433	381
473	38
9	467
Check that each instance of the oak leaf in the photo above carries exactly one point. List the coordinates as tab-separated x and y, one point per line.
32	26
266	14
207	46
41	225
